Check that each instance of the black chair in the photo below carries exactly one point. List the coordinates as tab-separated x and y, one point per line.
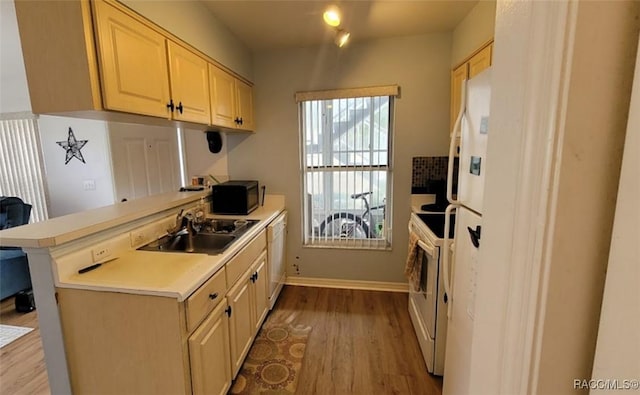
14	267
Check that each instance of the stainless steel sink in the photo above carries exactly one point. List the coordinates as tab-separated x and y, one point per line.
227	226
214	236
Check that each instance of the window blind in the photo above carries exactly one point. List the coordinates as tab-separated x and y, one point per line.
386	90
346	170
21	168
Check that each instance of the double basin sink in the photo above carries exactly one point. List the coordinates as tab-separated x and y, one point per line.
213	236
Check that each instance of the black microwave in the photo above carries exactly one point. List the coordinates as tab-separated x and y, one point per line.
234	197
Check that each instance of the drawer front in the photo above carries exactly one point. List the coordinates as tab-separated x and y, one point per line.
241	262
205	298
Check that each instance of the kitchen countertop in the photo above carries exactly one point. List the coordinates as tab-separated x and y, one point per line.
169	274
417	200
60	230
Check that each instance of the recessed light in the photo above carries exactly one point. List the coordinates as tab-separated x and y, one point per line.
342	37
332	16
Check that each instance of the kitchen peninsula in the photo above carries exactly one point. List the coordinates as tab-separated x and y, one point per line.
140	322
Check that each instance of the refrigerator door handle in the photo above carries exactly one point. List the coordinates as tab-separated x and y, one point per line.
475	235
452	144
445	257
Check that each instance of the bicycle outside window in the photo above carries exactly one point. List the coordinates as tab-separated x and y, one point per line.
346	169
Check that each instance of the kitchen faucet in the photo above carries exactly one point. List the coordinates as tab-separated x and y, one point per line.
185	227
190	232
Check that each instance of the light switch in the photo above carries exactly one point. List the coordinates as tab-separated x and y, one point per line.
89	185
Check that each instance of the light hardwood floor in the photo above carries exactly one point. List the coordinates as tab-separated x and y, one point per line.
22	369
362	342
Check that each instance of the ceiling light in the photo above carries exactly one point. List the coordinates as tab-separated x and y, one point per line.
332	16
342	37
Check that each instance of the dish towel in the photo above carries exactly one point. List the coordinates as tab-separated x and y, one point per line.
413	267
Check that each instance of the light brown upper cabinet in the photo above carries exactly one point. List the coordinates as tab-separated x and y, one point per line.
458	76
480	60
107	57
189	85
231	100
222	86
133	60
245	105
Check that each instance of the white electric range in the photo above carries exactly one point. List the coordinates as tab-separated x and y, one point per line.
427	305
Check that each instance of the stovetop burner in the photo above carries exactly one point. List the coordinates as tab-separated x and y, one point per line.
435	222
435	207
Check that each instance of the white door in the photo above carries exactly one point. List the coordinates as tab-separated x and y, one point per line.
460	326
473	141
145	160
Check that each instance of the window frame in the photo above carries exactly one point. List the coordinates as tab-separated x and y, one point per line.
310	237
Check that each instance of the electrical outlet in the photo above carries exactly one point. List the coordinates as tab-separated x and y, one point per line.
137	238
143	235
101	253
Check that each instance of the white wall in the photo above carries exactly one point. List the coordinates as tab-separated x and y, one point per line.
200	161
596	111
66	182
194	23
14	92
475	29
420	65
618	345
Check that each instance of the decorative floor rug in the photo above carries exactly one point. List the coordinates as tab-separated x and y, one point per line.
9	333
273	363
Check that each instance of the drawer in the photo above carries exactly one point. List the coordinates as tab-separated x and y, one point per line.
205	298
241	262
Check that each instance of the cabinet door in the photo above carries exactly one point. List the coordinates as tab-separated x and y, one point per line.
223	97
480	61
133	64
260	288
209	354
244	94
241	329
189	85
457	77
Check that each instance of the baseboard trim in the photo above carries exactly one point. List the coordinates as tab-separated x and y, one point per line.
347	284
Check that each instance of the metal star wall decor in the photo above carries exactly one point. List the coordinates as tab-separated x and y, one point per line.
73	147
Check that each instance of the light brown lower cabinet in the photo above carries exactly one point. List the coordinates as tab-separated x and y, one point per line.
209	354
248	302
119	343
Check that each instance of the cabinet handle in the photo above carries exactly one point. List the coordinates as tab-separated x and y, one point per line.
179	107
228	311
237	120
256	274
213	295
240	121
170	106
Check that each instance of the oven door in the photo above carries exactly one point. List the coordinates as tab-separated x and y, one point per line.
422	303
427	297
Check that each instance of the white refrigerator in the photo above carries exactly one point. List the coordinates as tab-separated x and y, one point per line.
473	127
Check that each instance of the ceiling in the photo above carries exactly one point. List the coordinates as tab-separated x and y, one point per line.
277	24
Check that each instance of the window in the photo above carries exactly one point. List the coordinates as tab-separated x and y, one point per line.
346	170
21	163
